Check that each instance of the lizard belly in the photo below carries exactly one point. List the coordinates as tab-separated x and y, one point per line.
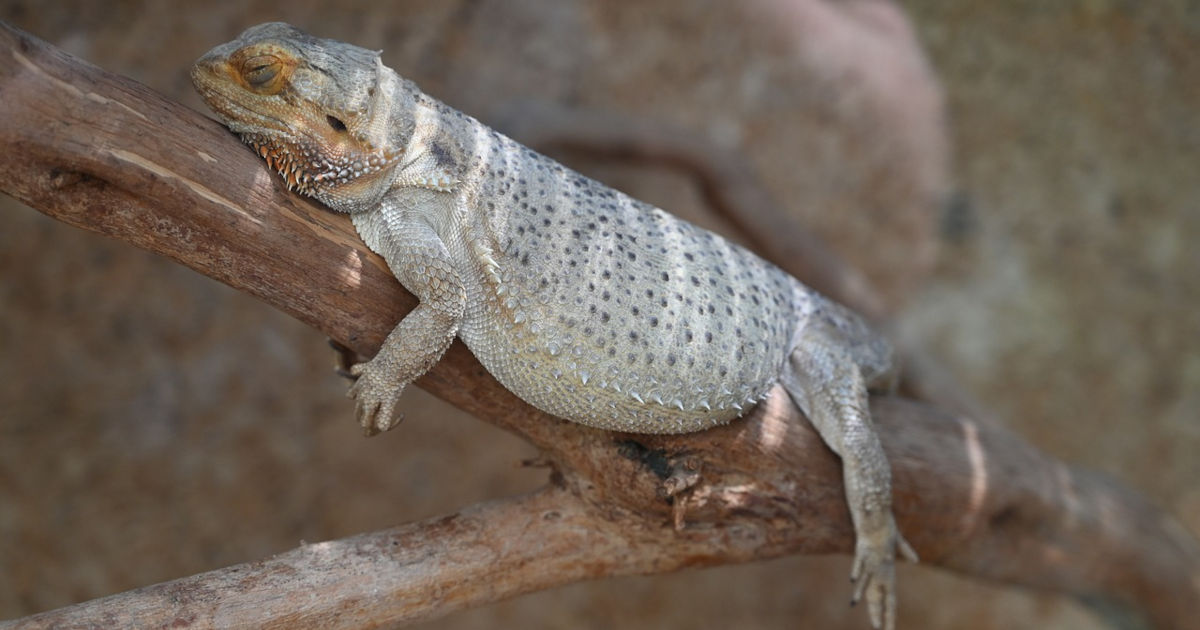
627	318
575	378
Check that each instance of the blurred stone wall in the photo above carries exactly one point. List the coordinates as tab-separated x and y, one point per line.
155	424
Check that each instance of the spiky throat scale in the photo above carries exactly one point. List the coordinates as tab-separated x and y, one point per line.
309	166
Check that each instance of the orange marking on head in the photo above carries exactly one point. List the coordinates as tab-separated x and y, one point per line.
262	68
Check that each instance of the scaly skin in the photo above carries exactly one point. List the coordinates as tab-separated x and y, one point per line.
587	304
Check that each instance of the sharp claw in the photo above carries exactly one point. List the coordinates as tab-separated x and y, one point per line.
875	608
371	423
860	589
907	551
346	358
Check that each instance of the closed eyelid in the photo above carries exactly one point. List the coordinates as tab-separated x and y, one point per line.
262	71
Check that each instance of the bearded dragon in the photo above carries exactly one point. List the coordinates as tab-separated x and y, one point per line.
584	302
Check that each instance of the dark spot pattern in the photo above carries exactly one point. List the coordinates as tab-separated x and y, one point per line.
661	313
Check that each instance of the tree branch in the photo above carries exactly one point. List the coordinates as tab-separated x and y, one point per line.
101	152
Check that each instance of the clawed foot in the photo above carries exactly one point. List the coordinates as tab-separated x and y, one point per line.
375	397
874	573
685	475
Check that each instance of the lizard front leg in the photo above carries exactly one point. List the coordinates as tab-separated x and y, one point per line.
421	262
827	384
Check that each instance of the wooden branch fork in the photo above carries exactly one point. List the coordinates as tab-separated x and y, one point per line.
101	152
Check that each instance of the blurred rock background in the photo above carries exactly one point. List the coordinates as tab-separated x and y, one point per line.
1029	215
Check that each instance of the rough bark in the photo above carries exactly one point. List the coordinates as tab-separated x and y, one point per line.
103	153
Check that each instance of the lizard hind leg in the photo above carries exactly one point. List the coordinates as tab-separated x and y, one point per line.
867	348
824	380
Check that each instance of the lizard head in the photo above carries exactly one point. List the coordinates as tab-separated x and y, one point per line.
317	110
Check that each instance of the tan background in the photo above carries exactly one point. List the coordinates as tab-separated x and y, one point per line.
154	424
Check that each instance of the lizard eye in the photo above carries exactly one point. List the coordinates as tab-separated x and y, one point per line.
261	72
335	123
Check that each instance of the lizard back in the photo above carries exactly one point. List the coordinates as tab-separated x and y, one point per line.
607	311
